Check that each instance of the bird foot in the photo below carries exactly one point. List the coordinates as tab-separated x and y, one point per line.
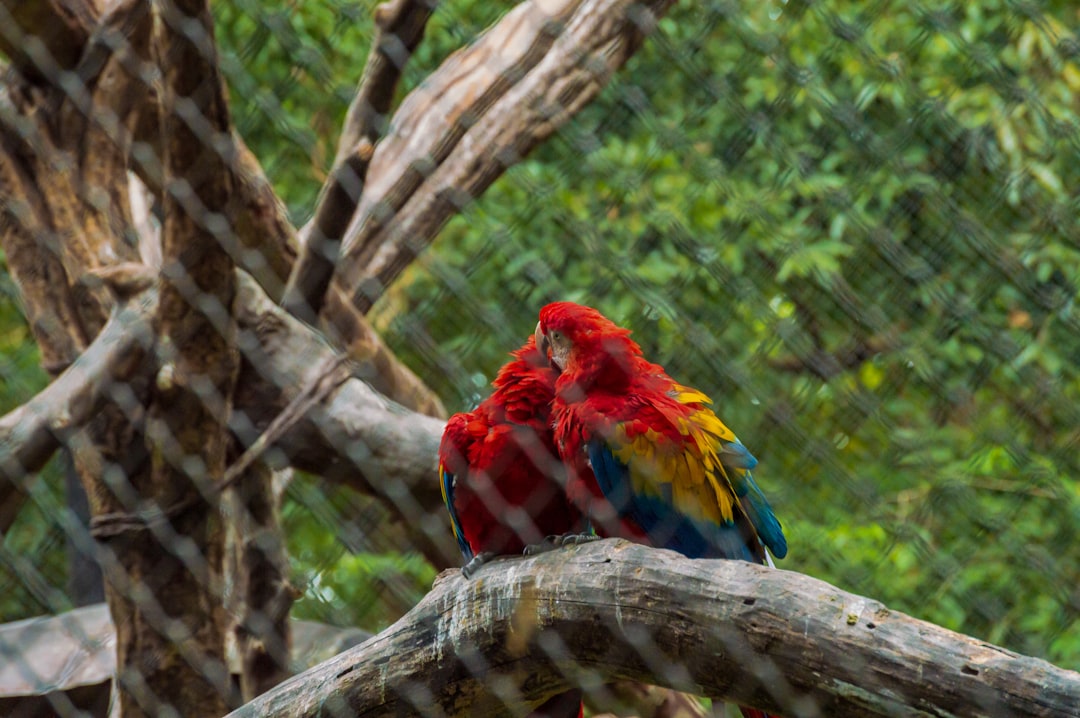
474	564
550	543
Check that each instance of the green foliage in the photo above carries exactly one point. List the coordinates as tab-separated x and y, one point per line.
346	556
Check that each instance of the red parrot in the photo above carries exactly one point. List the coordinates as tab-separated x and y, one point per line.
648	459
498	467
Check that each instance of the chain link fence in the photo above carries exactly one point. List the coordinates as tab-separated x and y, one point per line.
853	225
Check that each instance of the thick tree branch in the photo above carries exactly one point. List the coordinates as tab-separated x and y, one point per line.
774	639
59	27
477	115
356	438
50	308
30	434
189	406
306	291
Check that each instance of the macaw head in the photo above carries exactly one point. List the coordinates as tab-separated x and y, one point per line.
528	380
581	340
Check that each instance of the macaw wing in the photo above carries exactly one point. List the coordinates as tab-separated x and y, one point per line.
736	462
638	490
451	451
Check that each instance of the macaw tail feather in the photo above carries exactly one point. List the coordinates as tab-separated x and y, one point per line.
564	705
755	713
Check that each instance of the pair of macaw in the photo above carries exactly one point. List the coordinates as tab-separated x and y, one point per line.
582	431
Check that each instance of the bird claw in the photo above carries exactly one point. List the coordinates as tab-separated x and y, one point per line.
474	564
550	543
575	539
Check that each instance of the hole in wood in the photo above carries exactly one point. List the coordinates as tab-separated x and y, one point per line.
871	625
749	601
969	671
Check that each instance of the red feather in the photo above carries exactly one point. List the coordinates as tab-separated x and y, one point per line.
506	490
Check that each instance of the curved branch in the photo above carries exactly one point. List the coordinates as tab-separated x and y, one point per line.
30	434
477	115
778	640
356	438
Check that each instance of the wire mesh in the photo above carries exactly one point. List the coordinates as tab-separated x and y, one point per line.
853	225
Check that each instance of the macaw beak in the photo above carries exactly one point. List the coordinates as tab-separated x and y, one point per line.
542	342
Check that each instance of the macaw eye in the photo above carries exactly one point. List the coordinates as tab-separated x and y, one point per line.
556	335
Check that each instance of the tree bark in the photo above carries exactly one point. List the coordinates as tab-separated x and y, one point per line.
356	438
262	630
181	562
525	629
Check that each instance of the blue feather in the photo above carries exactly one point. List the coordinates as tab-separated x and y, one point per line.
738	461
761	515
658	518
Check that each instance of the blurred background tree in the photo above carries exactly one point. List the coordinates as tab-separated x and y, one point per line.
853	224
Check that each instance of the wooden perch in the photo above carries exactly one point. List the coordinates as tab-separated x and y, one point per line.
525	628
480	113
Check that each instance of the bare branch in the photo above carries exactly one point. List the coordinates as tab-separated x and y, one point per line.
399	28
30	434
357	438
480	113
304	295
777	640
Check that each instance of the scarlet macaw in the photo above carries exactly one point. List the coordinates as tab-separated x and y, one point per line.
648	459
498	466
